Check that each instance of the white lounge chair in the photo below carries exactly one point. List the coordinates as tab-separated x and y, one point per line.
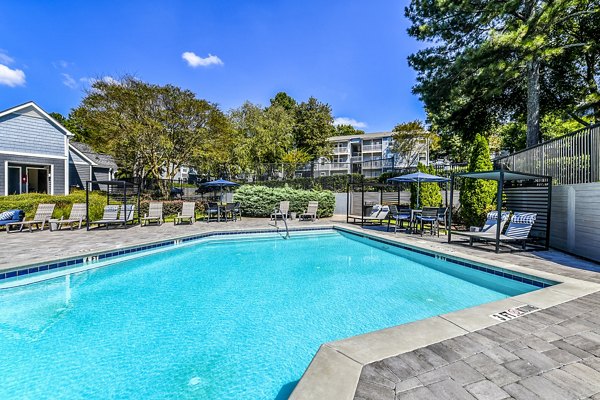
378	215
489	228
78	212
282	211
43	214
188	212
517	231
109	216
311	211
155	214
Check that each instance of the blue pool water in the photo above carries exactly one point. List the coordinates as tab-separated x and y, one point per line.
221	319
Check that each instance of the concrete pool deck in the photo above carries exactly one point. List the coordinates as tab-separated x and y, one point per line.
431	358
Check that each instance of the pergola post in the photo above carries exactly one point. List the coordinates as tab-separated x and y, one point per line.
451	206
499	208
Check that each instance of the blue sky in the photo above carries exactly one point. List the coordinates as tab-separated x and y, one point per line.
349	54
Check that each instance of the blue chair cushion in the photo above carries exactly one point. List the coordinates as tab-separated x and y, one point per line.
15	216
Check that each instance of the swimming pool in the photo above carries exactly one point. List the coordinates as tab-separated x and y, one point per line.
239	317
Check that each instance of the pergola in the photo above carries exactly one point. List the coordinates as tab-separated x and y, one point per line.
117	192
517	191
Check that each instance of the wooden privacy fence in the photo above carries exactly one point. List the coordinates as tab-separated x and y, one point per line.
570	159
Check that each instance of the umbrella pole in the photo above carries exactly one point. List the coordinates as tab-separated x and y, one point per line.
418	194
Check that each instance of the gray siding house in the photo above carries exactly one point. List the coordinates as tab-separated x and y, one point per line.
36	155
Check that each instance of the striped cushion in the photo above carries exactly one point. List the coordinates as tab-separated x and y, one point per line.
6	215
524	218
493	215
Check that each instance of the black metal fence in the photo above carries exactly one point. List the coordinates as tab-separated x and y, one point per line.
570	159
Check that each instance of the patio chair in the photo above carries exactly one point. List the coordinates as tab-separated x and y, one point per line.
155	214
443	217
517	231
42	215
488	228
429	216
130	213
110	215
77	216
282	211
213	209
237	210
399	214
188	212
229	212
311	212
11	216
378	215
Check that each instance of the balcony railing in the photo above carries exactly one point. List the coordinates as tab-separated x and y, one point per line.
340	150
372	148
372	164
356	159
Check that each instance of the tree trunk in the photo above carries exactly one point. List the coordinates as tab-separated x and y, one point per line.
533	102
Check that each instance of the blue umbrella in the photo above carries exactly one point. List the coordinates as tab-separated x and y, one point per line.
418	177
220	183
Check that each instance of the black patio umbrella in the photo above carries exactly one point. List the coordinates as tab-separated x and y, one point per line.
418	177
220	183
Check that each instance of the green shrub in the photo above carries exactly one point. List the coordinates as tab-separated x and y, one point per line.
429	192
477	195
260	201
28	202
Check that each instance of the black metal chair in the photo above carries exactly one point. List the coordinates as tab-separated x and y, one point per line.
213	209
429	216
399	215
237	210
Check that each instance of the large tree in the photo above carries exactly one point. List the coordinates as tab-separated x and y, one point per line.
411	139
487	60
314	125
151	130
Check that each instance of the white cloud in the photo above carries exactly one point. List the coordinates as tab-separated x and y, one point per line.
68	81
61	64
196	61
349	121
11	77
5	58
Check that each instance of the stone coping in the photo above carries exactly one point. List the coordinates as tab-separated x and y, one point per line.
335	370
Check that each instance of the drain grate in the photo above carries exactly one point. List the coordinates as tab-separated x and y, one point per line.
513	313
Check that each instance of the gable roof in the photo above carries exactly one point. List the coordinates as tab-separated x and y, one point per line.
39	110
98	159
364	136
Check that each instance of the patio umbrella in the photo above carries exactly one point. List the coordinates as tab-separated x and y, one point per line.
219	183
418	177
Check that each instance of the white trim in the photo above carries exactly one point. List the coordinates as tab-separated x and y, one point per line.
51	179
36	155
67	181
79	163
80	154
39	109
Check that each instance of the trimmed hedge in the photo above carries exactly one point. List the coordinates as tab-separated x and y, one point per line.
28	202
260	201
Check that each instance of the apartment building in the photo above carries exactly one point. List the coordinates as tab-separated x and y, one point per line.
370	154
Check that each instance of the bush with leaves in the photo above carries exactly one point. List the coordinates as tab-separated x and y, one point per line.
260	201
28	202
429	192
477	195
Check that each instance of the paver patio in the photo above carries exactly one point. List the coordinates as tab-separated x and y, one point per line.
549	354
